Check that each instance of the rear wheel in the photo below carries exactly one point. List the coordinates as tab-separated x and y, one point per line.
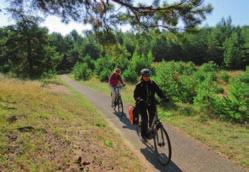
120	105
162	145
113	103
138	129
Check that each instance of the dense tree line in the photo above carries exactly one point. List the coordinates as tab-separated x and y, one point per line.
224	44
29	50
25	50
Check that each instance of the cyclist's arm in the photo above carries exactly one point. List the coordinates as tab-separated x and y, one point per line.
160	93
136	94
120	79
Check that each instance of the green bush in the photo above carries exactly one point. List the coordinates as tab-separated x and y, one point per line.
138	62
224	76
238	98
235	106
187	89
205	94
89	61
245	77
102	64
218	89
121	62
104	75
5	68
206	71
81	71
179	87
130	75
47	76
185	68
167	78
209	67
201	76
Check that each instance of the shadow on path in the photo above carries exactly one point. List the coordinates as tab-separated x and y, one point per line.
149	154
125	121
148	151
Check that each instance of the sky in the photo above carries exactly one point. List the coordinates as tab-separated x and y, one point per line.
237	9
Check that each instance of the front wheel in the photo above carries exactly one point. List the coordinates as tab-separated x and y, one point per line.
138	130
162	145
120	105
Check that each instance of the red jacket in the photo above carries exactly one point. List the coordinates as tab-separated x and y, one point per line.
115	79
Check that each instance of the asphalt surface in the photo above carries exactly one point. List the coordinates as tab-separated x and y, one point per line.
188	154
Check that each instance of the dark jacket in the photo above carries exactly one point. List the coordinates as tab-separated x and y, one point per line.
145	91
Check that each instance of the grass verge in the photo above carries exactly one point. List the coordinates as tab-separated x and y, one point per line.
52	128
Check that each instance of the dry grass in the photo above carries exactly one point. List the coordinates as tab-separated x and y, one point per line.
53	129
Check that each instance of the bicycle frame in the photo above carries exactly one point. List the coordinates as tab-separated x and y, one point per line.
155	125
160	138
117	99
117	91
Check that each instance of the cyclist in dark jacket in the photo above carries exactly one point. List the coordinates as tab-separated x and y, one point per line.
144	95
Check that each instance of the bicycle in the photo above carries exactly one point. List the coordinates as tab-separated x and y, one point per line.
162	145
118	103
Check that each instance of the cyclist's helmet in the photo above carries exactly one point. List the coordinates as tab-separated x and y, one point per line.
117	70
145	72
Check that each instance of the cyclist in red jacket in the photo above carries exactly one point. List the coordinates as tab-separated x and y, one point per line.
114	80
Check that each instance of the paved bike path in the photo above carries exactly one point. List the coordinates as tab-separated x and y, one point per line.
188	155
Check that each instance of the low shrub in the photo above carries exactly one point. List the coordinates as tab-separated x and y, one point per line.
104	75
235	106
224	76
176	81
81	71
130	75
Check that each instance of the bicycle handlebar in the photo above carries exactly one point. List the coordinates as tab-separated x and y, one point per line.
156	102
120	86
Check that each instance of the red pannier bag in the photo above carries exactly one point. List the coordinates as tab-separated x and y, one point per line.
131	114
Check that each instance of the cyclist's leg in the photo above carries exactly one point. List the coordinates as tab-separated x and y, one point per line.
113	95
144	119
152	113
116	90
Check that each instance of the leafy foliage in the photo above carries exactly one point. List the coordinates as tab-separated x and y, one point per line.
81	71
26	49
176	80
103	68
107	13
235	105
224	76
130	75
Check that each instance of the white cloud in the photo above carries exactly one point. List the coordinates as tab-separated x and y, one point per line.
54	24
5	21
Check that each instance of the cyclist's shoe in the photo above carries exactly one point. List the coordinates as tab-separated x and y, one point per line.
144	140
150	135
